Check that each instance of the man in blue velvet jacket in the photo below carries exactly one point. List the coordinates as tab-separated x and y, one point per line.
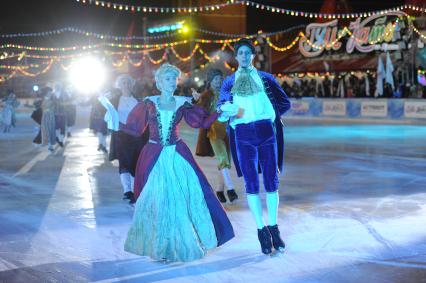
253	102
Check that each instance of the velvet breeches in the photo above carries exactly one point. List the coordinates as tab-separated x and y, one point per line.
257	146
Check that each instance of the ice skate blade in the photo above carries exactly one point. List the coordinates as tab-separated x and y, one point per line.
280	250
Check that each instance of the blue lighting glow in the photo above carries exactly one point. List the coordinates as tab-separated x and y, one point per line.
166	28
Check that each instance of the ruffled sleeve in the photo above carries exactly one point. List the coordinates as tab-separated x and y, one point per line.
111	115
137	121
197	117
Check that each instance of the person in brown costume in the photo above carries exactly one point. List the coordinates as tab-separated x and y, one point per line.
214	140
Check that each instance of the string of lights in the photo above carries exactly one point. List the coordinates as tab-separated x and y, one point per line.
126	38
253	4
185	59
421	35
171	44
45	70
152	9
8	77
148	48
87	34
285	48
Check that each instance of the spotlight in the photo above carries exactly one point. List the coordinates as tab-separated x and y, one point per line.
185	29
87	74
35	88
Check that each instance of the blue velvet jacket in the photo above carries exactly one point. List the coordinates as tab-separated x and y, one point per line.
279	101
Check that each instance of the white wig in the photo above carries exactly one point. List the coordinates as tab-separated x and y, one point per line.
125	79
166	68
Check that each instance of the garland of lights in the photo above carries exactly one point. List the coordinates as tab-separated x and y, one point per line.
138	64
155	47
321	75
328	15
185	59
422	36
269	8
159	61
117	45
159	46
252	35
11	75
86	33
285	48
151	9
126	38
45	70
11	67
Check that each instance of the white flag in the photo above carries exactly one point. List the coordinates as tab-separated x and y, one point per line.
367	86
389	71
380	76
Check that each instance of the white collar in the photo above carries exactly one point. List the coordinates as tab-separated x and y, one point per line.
251	68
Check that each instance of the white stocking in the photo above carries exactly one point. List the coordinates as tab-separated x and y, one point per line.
101	139
256	209
272	201
227	179
126	182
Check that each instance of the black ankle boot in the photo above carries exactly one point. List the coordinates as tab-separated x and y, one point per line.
277	242
221	197
232	195
128	195
103	149
265	240
132	199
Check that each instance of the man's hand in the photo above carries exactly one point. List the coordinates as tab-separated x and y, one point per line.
240	112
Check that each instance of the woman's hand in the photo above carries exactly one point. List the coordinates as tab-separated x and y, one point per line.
196	95
240	112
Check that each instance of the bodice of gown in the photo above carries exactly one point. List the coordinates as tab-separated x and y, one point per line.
164	124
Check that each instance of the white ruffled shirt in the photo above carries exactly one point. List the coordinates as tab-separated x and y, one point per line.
126	104
256	107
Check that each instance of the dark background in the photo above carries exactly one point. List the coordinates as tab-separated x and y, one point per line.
41	15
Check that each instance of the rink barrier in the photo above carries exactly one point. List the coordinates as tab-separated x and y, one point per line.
347	108
395	109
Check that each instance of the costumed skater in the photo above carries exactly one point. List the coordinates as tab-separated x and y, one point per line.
48	129
60	114
254	102
70	110
177	215
214	140
97	123
37	116
8	115
124	147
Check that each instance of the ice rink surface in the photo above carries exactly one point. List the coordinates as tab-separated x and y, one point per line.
352	209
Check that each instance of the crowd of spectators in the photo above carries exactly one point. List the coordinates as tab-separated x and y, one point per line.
350	87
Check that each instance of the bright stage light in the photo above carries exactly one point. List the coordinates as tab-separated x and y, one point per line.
87	75
35	88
